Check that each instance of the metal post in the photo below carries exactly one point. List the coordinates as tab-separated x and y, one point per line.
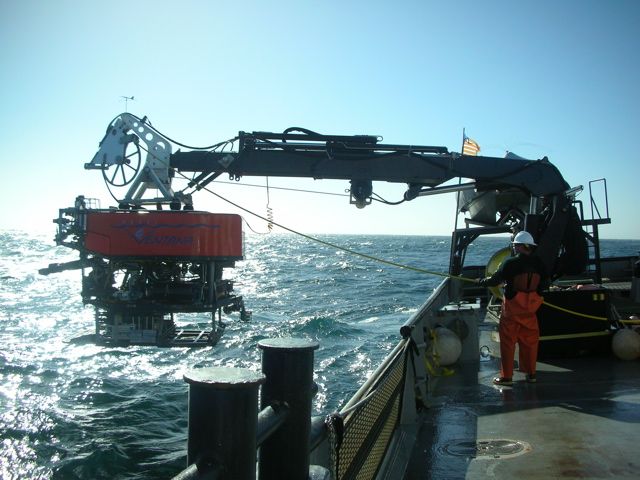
223	418
288	366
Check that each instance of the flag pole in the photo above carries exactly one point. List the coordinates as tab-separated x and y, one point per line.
463	136
455	223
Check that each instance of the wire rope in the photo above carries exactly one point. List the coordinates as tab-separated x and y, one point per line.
283	188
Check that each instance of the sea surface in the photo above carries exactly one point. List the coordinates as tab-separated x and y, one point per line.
72	411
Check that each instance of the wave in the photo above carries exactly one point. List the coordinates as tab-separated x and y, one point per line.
83	411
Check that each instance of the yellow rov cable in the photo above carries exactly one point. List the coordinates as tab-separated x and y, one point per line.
578	313
353	252
332	245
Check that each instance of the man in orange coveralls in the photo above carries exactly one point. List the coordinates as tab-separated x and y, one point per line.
525	277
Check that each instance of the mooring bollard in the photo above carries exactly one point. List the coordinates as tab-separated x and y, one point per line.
288	366
223	418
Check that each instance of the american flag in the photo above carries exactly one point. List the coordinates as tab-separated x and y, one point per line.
469	147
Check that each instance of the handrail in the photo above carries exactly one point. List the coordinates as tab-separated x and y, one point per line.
409	325
593	203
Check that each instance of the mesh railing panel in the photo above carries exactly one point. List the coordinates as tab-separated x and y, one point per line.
369	428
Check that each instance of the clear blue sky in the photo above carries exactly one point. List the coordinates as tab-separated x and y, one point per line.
557	79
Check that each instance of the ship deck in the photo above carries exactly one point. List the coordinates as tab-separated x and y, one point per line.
580	420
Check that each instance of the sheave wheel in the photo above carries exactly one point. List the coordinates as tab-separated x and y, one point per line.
128	166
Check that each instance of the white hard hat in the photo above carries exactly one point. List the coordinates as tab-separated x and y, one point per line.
524	238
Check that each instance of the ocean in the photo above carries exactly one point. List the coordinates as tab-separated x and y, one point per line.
72	411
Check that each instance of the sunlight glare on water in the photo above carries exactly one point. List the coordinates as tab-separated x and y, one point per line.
70	411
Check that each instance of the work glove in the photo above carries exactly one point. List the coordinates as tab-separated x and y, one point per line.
479	281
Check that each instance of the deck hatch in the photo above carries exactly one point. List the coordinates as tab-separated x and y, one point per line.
486	449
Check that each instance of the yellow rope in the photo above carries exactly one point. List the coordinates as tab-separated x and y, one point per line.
576	335
338	247
353	252
436	357
585	315
575	313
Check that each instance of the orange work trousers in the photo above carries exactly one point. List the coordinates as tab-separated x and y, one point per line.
519	325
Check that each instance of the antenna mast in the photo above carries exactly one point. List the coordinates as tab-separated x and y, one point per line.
126	102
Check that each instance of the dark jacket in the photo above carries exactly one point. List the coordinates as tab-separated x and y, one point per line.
511	268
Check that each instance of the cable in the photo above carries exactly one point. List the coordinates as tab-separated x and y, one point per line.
379	199
386	202
585	315
269	210
148	124
283	188
306	131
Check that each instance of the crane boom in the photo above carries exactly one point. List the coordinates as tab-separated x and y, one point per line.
360	159
426	167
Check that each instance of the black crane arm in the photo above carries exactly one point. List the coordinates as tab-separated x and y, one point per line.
363	159
298	152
